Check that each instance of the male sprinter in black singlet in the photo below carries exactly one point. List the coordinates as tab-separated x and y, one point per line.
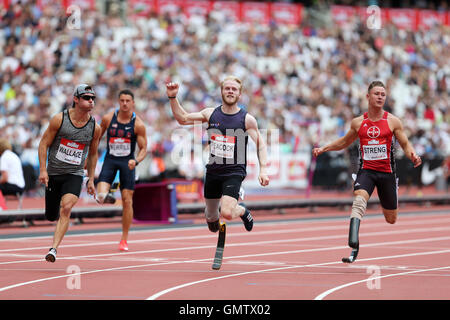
124	128
228	131
71	139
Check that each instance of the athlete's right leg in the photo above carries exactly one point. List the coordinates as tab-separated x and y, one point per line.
363	188
359	207
105	179
212	190
212	214
67	202
102	191
68	189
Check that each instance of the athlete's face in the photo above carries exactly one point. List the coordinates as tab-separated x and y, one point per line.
126	102
231	92
86	102
377	97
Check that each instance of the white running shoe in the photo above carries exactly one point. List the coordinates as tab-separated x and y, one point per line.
51	255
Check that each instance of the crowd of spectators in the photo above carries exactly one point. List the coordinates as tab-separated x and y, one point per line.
307	82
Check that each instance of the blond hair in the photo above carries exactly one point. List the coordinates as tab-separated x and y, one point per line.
4	145
232	78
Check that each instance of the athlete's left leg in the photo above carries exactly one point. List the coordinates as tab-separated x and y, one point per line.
390	215
127	209
229	208
388	193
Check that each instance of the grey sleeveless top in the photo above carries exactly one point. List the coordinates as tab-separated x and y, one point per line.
68	151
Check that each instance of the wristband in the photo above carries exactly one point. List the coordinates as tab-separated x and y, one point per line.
171	97
137	162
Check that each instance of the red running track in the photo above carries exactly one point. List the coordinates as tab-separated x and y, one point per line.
293	259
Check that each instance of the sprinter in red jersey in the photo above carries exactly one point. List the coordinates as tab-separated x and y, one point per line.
376	130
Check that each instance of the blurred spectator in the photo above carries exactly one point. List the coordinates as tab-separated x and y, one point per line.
295	76
157	167
11	179
192	167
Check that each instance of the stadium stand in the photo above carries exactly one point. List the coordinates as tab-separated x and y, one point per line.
305	70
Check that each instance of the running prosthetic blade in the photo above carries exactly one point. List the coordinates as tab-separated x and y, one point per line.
352	256
218	257
353	240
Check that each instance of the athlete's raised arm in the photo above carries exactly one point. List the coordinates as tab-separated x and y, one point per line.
181	115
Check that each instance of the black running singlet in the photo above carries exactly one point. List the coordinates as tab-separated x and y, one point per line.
227	143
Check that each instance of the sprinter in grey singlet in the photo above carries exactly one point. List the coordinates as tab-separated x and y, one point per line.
69	144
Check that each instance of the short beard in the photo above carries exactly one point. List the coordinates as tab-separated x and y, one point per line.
229	104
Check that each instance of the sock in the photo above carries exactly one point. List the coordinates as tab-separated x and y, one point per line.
359	207
213	226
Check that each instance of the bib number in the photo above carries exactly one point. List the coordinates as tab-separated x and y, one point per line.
119	147
70	152
222	146
375	152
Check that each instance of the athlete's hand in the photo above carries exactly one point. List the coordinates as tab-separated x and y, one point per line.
172	89
91	187
131	164
43	178
317	151
263	179
416	159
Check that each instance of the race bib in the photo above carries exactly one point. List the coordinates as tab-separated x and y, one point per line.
70	152
119	147
375	152
222	146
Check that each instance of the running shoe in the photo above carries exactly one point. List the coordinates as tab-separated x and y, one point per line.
51	255
123	246
110	198
247	218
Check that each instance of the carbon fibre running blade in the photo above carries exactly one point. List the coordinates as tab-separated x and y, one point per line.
352	256
218	257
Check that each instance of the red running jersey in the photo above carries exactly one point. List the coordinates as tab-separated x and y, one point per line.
375	144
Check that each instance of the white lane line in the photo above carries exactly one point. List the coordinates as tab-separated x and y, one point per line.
372	278
266	242
254	233
199	260
242	256
184	285
369	223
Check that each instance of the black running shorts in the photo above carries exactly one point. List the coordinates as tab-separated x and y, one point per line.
58	186
109	172
215	187
386	184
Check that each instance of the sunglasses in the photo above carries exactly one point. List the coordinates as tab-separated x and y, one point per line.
87	98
